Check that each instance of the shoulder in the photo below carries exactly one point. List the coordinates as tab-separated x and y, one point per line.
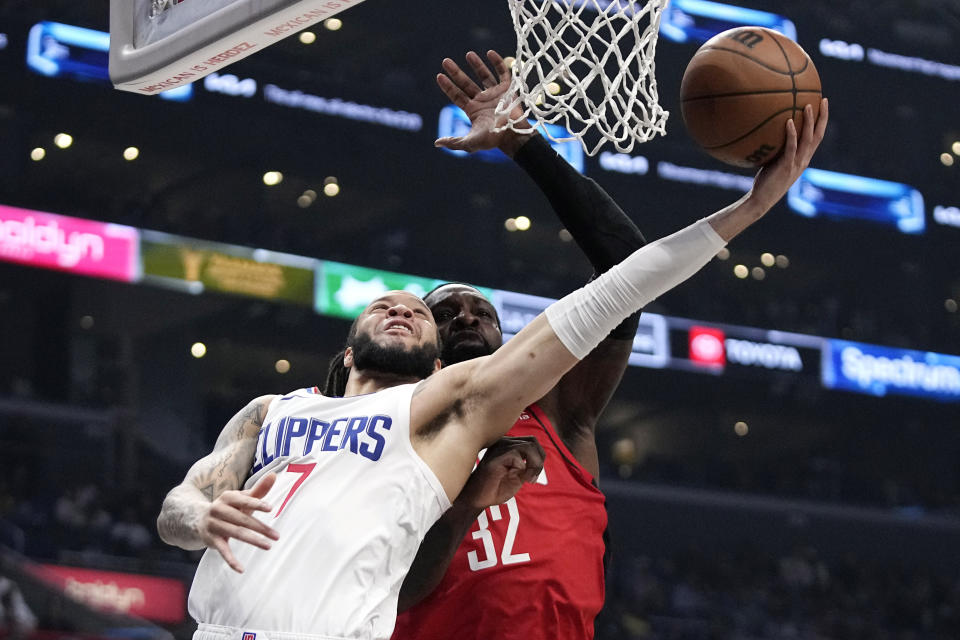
245	425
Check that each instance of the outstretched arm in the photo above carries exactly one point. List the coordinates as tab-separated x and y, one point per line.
208	507
569	329
598	225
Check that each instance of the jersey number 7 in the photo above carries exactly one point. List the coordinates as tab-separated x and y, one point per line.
304	470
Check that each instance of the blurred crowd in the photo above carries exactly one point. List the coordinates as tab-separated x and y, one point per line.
87	518
749	594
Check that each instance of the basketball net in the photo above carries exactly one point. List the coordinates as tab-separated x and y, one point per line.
587	65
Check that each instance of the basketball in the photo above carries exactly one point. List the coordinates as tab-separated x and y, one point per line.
740	88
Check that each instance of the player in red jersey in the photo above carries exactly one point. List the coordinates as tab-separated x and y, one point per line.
532	567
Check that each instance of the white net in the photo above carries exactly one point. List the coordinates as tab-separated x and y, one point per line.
587	65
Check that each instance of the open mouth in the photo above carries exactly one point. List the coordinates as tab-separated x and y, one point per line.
398	327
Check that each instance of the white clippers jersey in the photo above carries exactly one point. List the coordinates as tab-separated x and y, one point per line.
351	504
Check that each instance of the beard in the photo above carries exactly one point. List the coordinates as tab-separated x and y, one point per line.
455	351
394	359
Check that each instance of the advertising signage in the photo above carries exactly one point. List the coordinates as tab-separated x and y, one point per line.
650	348
742	351
344	290
52	241
842	195
63	50
148	597
195	266
876	370
699	20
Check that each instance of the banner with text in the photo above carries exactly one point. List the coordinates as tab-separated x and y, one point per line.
148	597
876	370
53	241
195	266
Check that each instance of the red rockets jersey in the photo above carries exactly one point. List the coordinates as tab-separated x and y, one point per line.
530	568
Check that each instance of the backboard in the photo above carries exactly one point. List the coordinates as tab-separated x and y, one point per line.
157	45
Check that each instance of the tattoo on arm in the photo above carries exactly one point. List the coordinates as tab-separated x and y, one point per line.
224	469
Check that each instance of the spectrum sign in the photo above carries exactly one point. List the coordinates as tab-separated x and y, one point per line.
875	370
52	241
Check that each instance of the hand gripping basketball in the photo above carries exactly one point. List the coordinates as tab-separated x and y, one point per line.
229	517
775	178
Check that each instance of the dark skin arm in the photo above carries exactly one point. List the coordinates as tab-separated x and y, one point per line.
601	229
604	233
507	465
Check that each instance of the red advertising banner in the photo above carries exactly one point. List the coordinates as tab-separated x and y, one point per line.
148	597
69	244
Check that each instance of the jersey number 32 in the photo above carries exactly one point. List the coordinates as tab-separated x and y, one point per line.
485	535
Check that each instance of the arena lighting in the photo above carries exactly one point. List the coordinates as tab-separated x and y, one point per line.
956	148
282	366
946	159
131	153
306	198
950	305
783	261
198	349
510	224
331	189
333	24
38	153
723	254
308	37
272	178
63	140
767	259
63	50
700	20
758	273
845	196
523	223
564	235
86	322
741	271
741	428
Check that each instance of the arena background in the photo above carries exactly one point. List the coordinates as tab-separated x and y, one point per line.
802	484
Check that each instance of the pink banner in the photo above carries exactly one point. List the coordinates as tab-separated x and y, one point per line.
69	244
158	599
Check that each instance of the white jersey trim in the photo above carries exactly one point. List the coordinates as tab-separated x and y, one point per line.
425	469
217	632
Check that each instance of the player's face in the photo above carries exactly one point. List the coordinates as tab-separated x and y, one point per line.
467	323
395	335
398	318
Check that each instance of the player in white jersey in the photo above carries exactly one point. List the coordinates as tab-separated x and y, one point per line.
343	499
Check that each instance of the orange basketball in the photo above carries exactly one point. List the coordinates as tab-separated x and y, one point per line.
740	88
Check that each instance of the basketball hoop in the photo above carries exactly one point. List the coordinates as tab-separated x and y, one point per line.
157	45
587	65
